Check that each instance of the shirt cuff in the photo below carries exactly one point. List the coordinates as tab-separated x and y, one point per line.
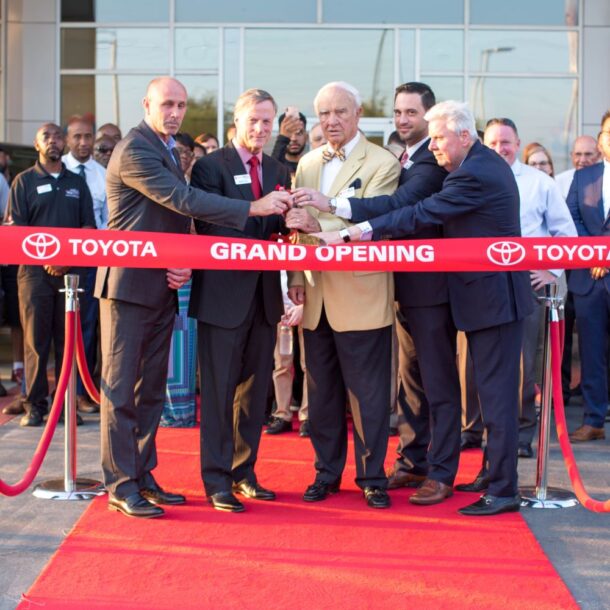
344	209
367	231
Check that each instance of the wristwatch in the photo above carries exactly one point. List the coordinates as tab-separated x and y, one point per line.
344	235
332	205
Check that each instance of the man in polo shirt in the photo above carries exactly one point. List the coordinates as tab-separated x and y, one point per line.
45	195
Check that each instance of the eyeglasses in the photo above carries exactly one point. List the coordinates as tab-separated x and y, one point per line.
539	163
103	150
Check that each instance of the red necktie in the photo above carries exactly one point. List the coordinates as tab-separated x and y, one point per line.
404	158
257	190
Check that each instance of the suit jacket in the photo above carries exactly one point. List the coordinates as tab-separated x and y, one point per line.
585	200
421	180
359	300
147	192
479	199
223	298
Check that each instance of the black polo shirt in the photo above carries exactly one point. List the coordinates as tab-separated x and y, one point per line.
37	199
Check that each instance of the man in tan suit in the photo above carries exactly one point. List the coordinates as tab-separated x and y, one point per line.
348	315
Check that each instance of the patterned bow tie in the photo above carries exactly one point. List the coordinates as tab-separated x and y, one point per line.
328	155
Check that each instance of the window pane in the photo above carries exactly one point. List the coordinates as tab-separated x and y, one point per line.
246	11
445	87
293	64
131	10
231	74
202	111
196	48
407	56
77	10
524	12
77	96
393	11
442	50
133	49
511	51
544	109
78	48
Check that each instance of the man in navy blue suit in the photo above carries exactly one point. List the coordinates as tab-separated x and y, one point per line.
428	401
479	198
589	203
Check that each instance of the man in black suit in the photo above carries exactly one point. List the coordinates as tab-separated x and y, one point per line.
479	198
428	452
237	313
147	192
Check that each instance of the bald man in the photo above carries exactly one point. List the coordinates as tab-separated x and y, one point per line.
585	152
147	192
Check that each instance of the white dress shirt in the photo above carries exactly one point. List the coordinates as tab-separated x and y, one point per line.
95	175
564	181
331	169
543	211
606	188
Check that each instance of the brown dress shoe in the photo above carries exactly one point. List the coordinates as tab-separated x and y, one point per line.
431	492
587	433
15	407
398	479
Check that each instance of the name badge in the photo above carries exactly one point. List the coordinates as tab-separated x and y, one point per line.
347	193
44	188
408	164
243	179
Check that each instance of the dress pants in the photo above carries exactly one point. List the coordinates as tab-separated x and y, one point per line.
434	337
42	310
593	322
89	317
361	362
135	352
283	378
496	356
236	367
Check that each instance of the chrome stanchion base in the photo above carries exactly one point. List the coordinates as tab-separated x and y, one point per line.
55	489
555	498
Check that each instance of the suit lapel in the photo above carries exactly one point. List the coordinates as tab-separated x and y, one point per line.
155	140
351	166
270	178
237	168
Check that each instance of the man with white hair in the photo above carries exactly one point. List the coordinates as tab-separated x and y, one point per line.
347	316
479	198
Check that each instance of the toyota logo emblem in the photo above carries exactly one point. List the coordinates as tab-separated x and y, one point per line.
506	253
41	246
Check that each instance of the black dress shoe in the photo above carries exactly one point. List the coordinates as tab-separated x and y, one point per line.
279	425
3	391
226	501
79	419
525	450
253	490
134	506
319	490
155	495
492	505
467	443
31	418
304	429
376	497
481	483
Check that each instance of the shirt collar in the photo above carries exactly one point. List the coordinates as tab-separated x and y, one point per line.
517	167
245	155
347	147
43	173
411	150
72	162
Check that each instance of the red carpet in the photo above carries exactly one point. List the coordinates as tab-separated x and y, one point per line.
287	554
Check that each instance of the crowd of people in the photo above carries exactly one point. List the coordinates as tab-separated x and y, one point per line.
451	358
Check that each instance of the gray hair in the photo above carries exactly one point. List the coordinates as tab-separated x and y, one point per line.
251	97
457	115
339	84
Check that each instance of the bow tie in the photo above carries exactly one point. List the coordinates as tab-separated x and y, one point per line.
328	155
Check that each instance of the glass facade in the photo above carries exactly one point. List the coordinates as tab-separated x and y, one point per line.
517	59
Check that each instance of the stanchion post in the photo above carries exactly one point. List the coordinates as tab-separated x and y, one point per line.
541	496
71	487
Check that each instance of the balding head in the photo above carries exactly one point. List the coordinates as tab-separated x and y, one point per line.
585	152
165	106
49	143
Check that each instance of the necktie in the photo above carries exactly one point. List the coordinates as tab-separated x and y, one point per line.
328	155
404	158
257	190
81	171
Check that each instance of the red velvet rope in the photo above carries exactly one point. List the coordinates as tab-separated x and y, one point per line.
56	409
81	361
584	498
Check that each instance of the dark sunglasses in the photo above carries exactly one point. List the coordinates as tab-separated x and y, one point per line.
103	150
